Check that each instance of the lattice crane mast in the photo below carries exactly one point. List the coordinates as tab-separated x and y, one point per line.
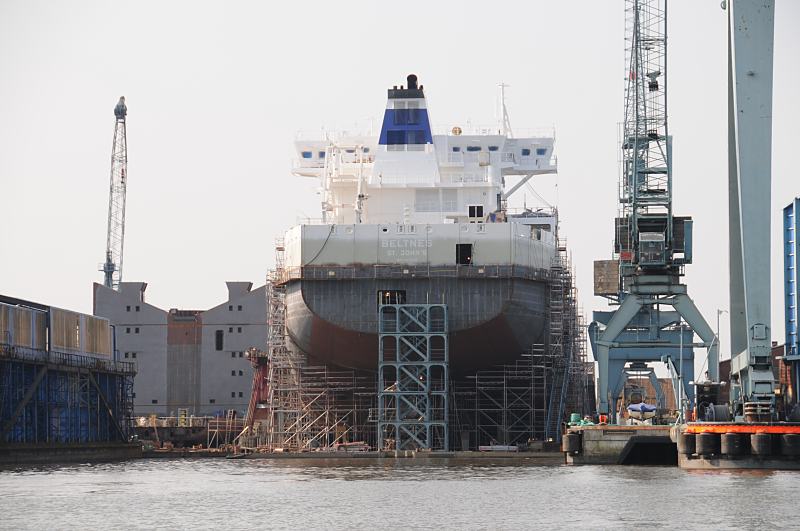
655	320
112	267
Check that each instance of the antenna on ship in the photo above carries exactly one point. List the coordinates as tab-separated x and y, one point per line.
505	121
112	267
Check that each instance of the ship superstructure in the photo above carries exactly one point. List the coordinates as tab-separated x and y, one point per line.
409	175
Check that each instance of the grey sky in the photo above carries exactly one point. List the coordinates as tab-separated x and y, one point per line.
217	91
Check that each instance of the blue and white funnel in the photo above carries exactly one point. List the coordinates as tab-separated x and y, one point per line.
405	146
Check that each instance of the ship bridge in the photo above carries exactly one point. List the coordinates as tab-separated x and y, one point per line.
408	174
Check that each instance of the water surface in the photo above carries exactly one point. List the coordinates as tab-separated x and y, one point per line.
258	494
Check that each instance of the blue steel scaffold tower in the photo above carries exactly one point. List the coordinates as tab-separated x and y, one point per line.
413	377
652	246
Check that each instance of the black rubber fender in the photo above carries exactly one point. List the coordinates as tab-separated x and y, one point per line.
732	444
571	443
790	444
761	444
707	443
687	443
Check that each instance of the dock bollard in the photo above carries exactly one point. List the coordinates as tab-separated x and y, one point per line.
707	443
686	443
790	444
761	443
731	444
571	443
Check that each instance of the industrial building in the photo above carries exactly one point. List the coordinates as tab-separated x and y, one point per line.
186	359
62	387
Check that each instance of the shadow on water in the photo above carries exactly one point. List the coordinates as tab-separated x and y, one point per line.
649	451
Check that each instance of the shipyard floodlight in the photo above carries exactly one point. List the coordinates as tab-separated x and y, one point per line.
112	267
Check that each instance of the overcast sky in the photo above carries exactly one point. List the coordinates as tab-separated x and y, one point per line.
217	91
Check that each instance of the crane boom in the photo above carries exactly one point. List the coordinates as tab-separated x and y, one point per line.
112	267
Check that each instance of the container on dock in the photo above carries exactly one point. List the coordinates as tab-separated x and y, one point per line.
73	332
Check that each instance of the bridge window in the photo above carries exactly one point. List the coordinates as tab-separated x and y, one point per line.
473	148
415	137
476	211
526	152
541	152
395	137
493	148
306	154
322	154
456	149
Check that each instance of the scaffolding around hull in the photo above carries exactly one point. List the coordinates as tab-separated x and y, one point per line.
296	406
300	406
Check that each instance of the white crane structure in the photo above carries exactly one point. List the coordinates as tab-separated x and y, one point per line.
112	267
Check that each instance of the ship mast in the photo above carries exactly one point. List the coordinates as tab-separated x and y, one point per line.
505	121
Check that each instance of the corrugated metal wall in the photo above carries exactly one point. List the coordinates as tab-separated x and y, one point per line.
65	330
97	335
23	327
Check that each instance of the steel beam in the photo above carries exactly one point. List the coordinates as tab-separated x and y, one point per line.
24	402
750	51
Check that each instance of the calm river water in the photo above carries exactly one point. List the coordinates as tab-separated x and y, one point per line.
222	494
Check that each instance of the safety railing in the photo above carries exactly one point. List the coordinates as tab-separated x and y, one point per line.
25	354
396	271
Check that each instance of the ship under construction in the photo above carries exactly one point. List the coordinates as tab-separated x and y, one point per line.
420	312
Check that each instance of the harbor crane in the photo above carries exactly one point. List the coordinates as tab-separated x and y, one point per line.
112	267
652	246
655	319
